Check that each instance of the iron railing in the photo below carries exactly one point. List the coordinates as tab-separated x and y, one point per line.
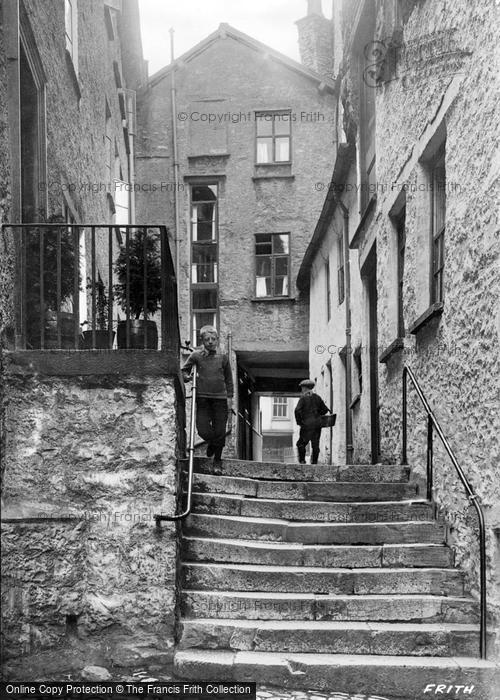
94	286
432	424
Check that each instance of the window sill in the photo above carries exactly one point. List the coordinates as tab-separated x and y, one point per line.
272	299
355	401
256	178
222	154
277	164
364	221
434	311
395	346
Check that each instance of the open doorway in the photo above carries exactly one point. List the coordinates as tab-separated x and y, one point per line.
277	427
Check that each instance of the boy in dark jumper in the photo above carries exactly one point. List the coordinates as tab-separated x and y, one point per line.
214	392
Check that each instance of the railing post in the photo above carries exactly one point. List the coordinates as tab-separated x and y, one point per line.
430	459
404	456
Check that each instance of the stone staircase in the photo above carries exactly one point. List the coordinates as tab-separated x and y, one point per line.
324	577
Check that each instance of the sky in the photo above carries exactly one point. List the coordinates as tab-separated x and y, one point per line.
269	21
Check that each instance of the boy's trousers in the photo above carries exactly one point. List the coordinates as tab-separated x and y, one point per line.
309	434
211	421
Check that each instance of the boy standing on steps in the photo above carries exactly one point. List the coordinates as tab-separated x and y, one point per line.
214	392
308	412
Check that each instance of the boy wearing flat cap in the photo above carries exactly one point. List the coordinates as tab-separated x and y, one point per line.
308	412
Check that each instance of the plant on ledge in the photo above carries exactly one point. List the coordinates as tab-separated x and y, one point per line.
143	256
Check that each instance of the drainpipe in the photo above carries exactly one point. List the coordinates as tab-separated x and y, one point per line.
176	165
348	343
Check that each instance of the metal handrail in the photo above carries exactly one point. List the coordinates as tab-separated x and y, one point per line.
158	518
432	424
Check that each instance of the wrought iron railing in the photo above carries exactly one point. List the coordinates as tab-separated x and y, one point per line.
95	286
432	424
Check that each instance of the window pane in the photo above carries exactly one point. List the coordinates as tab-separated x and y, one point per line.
282	124
204	193
263	245
264	124
439	187
280	243
203	222
263	287
263	265
282	148
205	299
281	266
264	150
281	286
204	265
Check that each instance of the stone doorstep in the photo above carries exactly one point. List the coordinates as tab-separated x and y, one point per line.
393	677
269	529
305	490
307	606
329	511
351	556
302	579
303	472
330	637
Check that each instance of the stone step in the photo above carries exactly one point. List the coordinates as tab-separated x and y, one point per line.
223	526
291	579
303	472
306	490
331	637
324	511
392	677
256	552
308	606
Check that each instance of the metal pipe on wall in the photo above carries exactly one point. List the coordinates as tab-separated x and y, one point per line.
176	164
348	336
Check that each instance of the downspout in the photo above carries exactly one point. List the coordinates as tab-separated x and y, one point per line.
176	165
348	340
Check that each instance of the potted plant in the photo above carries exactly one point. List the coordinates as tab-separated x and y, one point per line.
143	254
101	332
50	309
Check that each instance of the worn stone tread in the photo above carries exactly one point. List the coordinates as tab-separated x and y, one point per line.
272	471
301	579
310	606
353	637
307	490
317	511
273	529
297	554
401	677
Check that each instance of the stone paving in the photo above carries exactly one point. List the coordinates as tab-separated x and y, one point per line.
268	693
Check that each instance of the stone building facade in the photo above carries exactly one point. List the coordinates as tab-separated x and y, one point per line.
89	440
254	133
409	237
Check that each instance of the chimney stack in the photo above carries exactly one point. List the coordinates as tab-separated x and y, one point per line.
316	40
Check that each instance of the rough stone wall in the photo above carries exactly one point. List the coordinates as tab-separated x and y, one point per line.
456	356
89	461
232	79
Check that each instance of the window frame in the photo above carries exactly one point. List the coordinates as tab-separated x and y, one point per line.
273	136
273	257
280	402
328	290
399	222
340	270
212	243
437	235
